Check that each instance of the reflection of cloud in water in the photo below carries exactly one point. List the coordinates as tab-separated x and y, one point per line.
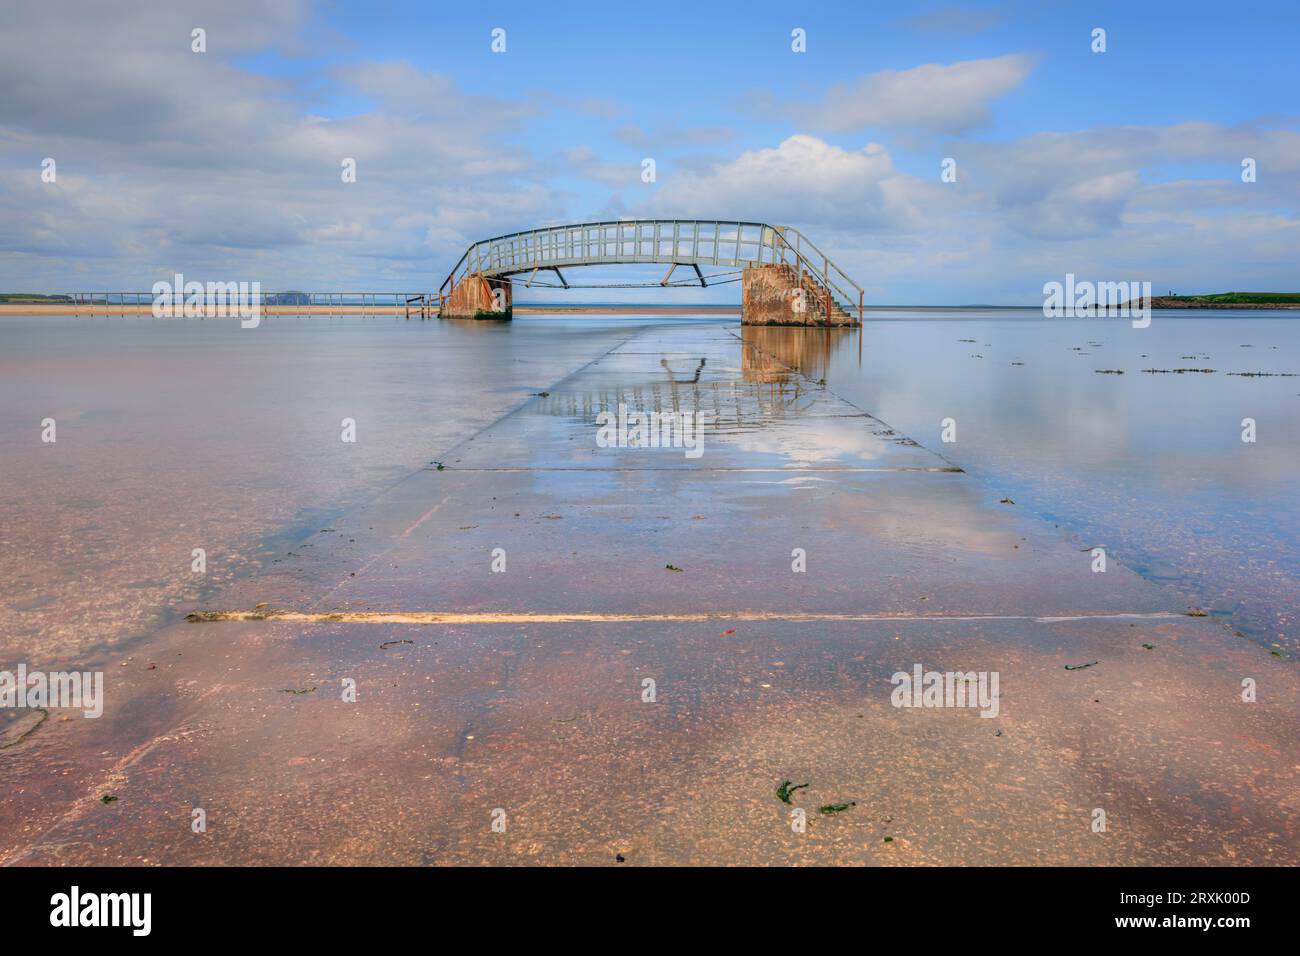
815	442
800	482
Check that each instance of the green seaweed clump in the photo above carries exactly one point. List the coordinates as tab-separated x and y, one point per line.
786	791
836	807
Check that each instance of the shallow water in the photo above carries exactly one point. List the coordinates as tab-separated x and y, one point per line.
175	435
1151	466
909	562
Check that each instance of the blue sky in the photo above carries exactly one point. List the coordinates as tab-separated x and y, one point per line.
1116	165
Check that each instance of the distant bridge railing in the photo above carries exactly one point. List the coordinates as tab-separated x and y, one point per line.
696	242
425	303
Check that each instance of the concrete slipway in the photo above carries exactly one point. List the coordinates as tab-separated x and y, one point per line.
523	691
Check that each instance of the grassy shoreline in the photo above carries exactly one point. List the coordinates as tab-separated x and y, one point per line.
1229	300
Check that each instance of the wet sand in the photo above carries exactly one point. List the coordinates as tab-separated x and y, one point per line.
762	675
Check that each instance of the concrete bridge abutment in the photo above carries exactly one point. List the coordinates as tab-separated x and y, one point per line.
479	297
776	293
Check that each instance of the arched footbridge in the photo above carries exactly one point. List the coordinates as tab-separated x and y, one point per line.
785	279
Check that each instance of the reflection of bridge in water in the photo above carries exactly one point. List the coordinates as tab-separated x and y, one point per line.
770	354
786	280
777	367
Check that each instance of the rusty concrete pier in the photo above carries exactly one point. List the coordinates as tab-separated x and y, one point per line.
479	297
786	280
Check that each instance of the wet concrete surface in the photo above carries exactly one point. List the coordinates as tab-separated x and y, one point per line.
908	562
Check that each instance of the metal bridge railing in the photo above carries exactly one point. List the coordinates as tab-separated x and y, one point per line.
351	303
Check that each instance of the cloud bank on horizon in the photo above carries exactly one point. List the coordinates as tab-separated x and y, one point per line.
1122	164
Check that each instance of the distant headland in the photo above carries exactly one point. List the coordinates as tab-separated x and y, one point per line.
1229	300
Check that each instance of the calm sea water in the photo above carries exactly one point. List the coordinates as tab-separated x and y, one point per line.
173	435
176	435
1150	465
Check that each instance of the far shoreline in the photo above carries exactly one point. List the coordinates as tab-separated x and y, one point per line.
37	309
1160	303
